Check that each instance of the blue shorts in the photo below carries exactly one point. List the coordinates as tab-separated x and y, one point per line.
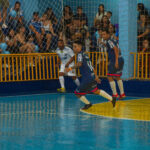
86	88
112	71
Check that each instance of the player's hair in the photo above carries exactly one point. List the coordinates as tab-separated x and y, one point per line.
78	42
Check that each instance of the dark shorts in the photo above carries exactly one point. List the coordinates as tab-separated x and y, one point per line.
112	71
86	88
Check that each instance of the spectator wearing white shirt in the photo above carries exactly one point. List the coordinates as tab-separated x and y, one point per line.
101	12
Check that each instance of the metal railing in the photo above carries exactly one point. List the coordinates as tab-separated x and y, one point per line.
141	66
41	66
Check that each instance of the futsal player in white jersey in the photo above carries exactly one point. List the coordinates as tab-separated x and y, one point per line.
65	54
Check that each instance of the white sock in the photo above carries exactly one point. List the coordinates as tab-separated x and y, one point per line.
77	82
120	84
105	95
84	100
113	87
62	82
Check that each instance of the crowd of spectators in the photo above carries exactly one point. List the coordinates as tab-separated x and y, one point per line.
42	32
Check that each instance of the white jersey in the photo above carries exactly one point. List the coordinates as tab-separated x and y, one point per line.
65	54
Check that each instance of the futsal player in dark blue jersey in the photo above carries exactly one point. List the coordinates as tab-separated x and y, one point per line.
115	64
89	78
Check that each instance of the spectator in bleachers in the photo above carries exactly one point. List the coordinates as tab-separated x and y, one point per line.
67	16
37	29
49	32
112	32
142	10
2	36
51	15
105	22
24	45
19	14
4	5
101	12
143	30
109	15
145	46
82	16
66	20
11	41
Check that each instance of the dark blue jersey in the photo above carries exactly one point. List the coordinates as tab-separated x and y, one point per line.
86	70
110	44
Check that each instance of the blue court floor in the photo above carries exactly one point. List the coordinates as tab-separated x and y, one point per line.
54	122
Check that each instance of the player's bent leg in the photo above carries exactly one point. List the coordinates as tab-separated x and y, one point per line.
113	86
76	80
121	88
106	95
85	101
62	83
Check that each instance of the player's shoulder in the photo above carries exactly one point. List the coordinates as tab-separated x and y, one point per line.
67	48
57	50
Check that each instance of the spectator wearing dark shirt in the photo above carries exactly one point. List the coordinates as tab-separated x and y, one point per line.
82	16
109	15
105	22
37	29
143	29
141	9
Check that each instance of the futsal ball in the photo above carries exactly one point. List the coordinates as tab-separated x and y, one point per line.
3	46
13	13
36	48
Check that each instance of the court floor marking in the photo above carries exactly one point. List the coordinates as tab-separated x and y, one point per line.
114	109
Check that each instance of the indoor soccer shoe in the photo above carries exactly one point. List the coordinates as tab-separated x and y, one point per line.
114	101
122	96
87	106
117	96
62	90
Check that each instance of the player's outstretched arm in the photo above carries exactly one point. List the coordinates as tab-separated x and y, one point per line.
78	65
70	61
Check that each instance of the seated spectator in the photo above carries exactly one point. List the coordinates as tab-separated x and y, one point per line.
112	32
101	12
21	39
82	16
49	32
19	14
109	15
143	30
4	4
105	22
37	29
11	42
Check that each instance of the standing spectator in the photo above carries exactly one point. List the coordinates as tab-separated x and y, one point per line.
19	18
51	15
143	29
141	9
4	5
112	32
101	12
37	29
49	32
67	20
82	16
109	15
105	22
